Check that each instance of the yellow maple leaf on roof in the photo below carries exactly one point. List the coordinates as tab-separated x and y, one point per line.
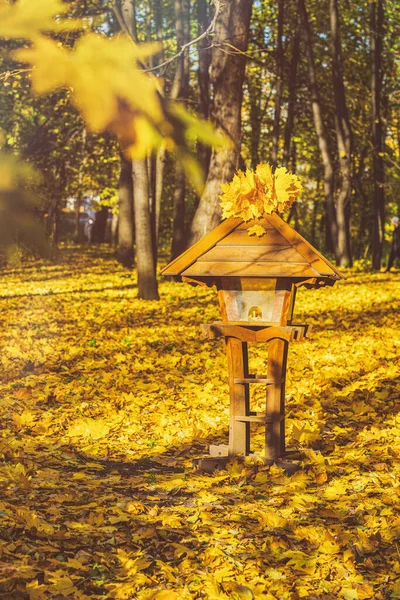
256	230
287	188
253	193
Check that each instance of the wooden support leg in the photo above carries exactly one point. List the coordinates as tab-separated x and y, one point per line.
275	432
239	432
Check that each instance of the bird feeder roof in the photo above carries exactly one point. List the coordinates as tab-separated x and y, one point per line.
229	251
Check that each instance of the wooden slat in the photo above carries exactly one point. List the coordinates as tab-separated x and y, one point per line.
240	237
254	379
208	241
264	419
275	434
249	269
239	433
252	253
311	254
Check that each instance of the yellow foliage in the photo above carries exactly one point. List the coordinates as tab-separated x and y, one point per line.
97	71
107	81
104	502
27	18
251	194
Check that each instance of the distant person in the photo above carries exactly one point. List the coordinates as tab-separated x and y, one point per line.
395	249
89	230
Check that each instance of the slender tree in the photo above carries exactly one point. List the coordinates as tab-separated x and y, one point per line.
79	192
147	281
125	253
203	77
320	129
378	203
180	91
343	138
292	94
280	64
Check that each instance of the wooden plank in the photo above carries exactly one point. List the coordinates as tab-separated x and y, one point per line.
249	269
219	450
311	254
261	419
208	241
254	379
262	333
253	253
240	237
239	432
275	410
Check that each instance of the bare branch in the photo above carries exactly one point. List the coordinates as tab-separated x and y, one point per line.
210	29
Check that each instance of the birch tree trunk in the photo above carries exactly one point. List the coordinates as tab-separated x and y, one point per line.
227	75
343	137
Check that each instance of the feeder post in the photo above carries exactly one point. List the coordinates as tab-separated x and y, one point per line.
238	367
275	409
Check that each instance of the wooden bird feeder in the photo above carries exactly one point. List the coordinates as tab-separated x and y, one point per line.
256	279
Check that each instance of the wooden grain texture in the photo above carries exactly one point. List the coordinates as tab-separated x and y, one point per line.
249	269
208	241
228	250
275	410
311	254
252	254
289	333
240	237
239	431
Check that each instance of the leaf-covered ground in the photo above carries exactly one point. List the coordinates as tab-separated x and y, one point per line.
106	400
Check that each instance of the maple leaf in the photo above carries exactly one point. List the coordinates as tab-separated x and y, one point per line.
334	490
256	230
97	70
254	193
27	18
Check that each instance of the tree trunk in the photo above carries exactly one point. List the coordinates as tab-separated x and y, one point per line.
203	77
100	225
114	230
378	203
125	253
161	155
292	95
178	234
180	91
78	203
147	281
129	17
279	86
343	137
79	194
161	159
320	130
227	75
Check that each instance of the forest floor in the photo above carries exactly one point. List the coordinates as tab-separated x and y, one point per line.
106	400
